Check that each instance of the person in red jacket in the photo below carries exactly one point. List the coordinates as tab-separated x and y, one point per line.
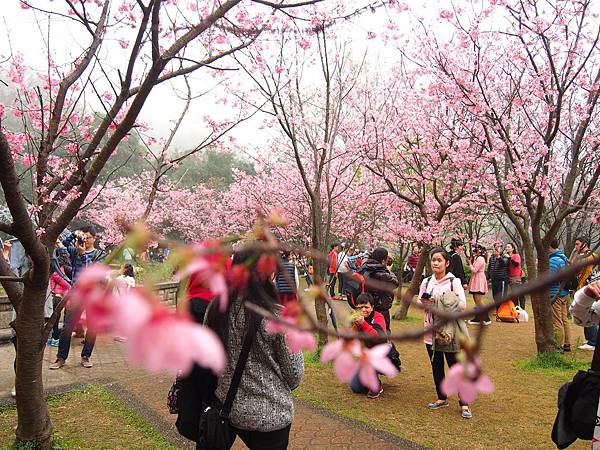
332	260
199	296
371	322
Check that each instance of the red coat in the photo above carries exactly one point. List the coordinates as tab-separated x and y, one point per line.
375	324
333	261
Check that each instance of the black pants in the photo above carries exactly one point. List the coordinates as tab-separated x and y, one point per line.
270	440
386	315
56	328
332	281
437	367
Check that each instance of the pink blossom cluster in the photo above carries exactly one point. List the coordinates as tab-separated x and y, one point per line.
156	339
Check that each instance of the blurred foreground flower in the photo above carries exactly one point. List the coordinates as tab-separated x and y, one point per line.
466	380
172	342
156	338
349	358
296	340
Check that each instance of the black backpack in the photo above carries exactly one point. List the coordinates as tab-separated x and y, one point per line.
578	406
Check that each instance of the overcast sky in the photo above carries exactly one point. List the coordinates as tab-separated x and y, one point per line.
27	37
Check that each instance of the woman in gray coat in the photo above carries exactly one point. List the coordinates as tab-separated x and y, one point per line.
263	408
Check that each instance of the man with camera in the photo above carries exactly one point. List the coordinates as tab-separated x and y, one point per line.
82	252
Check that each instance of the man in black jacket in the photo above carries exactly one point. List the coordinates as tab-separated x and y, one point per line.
384	282
457	248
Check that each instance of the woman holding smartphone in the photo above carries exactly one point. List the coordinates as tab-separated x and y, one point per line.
439	284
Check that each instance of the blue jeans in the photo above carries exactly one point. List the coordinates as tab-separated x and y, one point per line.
591	334
356	386
72	317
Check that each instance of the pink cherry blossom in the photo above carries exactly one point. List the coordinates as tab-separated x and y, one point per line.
466	380
596	220
209	268
237	277
92	294
343	353
296	340
371	362
266	265
171	342
304	44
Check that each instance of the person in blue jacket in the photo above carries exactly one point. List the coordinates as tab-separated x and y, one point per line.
559	297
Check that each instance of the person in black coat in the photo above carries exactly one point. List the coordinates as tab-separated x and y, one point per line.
457	248
375	269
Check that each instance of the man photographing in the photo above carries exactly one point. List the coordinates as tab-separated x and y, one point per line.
82	253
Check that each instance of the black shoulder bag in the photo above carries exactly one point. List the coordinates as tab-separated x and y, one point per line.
214	431
578	406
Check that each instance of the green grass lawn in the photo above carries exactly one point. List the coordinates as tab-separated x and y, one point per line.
89	419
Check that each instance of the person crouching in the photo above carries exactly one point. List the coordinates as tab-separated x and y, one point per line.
367	320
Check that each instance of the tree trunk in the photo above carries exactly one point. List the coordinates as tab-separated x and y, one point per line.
319	264
415	283
542	311
34	424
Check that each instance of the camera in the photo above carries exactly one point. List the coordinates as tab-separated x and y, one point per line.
426	296
81	240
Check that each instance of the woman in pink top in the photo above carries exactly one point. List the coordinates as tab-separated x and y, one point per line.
478	285
439	283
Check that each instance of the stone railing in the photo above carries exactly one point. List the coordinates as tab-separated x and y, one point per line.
5	312
167	292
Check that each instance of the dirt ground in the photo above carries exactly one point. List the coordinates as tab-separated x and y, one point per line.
518	415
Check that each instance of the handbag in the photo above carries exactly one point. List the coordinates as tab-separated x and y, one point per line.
214	431
578	407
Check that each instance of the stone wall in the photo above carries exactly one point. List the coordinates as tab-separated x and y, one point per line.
5	312
167	292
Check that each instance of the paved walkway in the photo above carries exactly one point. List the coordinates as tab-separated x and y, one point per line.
313	428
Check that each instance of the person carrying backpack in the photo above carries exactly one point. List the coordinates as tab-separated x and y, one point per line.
560	299
384	282
578	399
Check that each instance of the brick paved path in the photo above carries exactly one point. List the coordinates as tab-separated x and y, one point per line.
313	428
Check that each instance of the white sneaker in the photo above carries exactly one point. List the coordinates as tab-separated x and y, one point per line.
13	393
586	347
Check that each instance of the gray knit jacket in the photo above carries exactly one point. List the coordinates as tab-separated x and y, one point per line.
264	398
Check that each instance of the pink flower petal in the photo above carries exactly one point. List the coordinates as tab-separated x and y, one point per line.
300	340
368	377
467	391
345	367
331	350
485	384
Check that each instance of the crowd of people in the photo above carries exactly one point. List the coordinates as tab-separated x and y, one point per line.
364	279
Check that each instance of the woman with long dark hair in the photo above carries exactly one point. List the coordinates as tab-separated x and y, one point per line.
478	285
442	283
263	410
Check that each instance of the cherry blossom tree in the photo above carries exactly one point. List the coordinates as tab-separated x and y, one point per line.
422	155
308	114
526	75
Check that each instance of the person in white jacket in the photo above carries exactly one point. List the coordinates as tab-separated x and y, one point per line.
586	306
